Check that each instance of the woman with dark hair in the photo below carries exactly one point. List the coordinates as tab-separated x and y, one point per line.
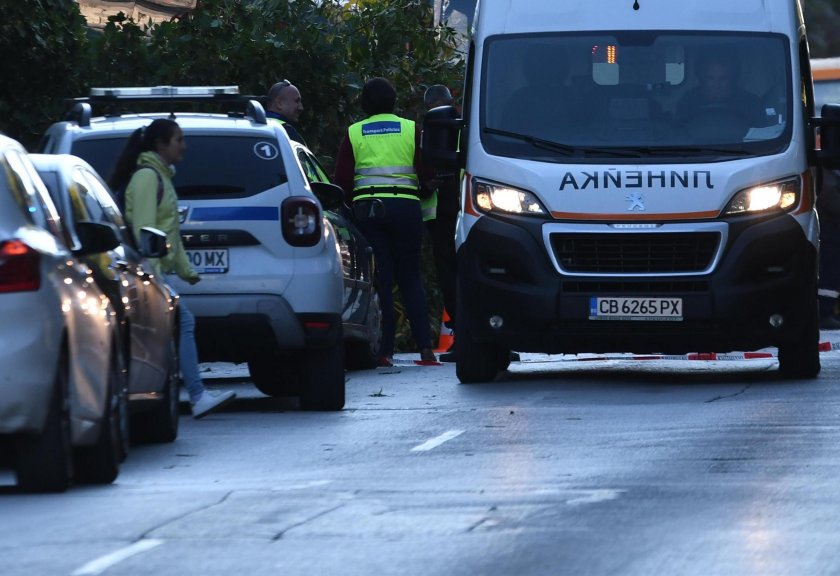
378	165
146	167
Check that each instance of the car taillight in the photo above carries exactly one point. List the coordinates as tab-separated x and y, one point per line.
20	269
301	221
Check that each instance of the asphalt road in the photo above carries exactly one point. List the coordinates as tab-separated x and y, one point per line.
561	467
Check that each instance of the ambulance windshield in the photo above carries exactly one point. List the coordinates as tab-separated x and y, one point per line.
658	94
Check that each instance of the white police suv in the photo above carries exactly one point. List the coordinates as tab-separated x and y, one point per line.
287	281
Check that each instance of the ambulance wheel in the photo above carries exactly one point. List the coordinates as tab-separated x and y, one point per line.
476	361
801	358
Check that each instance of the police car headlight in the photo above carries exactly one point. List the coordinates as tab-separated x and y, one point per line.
773	197
491	197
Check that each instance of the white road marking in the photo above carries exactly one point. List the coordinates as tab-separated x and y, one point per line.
437	441
595	496
303	486
99	565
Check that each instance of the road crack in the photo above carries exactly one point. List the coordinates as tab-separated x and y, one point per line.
725	396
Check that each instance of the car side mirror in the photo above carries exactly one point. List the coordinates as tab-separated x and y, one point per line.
96	237
153	243
331	196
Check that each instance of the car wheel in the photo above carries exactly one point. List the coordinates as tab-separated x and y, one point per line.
160	424
364	354
476	361
323	385
275	377
100	463
801	358
44	461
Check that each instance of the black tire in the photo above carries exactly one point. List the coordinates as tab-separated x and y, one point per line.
44	461
476	361
323	385
276	377
364	354
801	358
100	463
160	424
504	361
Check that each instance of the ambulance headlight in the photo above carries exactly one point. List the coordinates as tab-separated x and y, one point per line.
492	197
773	197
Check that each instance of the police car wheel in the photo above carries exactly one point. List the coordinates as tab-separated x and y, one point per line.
323	385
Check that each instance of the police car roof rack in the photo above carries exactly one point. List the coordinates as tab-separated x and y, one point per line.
80	109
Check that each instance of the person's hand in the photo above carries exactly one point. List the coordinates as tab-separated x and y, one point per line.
194	279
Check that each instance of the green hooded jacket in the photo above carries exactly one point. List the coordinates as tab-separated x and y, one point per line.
143	209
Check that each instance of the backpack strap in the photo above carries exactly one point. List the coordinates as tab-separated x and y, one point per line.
159	179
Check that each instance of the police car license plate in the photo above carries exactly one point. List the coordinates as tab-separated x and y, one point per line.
651	309
209	260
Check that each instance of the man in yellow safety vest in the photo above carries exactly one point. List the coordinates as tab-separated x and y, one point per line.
378	165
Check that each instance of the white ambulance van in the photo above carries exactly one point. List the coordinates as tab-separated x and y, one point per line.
638	177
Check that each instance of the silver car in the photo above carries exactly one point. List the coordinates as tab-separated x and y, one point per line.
145	305
63	404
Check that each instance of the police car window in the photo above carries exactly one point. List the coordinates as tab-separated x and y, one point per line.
214	166
313	171
322	175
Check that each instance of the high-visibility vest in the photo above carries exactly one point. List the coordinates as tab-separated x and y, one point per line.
428	206
383	147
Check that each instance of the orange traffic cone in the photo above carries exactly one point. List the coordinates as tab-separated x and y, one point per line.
446	336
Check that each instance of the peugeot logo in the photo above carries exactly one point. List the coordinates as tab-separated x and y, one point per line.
637	201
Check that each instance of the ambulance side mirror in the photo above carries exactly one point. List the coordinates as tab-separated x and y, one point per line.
439	139
829	124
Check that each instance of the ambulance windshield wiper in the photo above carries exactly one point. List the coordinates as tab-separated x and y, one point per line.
700	150
564	148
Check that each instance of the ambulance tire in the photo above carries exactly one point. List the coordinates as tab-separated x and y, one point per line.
476	361
801	358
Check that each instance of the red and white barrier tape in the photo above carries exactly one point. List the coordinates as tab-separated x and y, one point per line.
718	356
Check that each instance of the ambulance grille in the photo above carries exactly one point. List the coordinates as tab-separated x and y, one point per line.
635	253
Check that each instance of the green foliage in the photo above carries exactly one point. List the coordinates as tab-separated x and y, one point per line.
325	47
43	44
821	19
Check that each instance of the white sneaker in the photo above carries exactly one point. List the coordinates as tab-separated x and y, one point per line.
210	401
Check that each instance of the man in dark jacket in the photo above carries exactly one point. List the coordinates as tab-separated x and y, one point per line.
828	208
284	106
442	227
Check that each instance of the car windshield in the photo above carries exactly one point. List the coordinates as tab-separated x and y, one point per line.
594	97
213	166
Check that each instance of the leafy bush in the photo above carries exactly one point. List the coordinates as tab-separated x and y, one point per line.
43	44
